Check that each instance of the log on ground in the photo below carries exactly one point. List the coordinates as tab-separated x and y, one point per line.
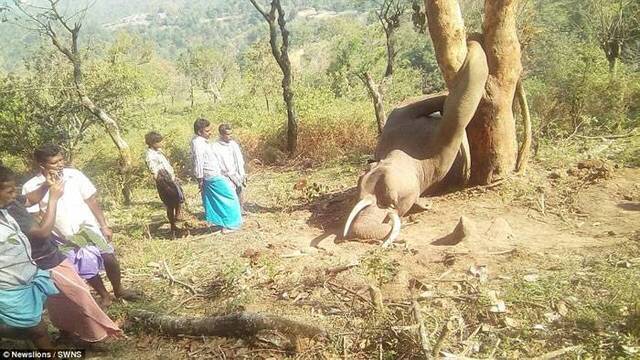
236	325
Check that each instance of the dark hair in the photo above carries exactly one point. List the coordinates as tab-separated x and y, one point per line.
152	137
199	125
6	174
46	151
224	128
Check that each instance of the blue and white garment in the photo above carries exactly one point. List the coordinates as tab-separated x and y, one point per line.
23	287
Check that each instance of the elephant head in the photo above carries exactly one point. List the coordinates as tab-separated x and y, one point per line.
416	153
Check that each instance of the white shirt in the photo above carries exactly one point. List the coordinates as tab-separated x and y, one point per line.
230	156
156	161
72	210
205	163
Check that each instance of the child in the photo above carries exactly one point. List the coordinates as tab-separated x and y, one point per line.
168	188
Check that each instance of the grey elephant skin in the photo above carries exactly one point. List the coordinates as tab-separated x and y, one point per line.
417	153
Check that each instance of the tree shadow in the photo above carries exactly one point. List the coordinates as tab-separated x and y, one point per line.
629	206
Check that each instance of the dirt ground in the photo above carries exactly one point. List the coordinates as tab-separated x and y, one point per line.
555	241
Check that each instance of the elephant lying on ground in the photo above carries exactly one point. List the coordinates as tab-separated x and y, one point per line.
415	153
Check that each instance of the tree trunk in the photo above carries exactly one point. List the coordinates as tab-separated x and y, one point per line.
292	120
391	52
191	94
281	55
376	97
613	65
237	325
114	133
492	132
446	28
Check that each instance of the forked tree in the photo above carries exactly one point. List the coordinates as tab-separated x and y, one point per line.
492	131
279	41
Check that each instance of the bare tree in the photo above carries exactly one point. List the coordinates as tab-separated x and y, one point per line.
47	20
389	13
279	41
375	92
614	24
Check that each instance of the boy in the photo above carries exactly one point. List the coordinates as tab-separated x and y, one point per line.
73	310
78	210
169	190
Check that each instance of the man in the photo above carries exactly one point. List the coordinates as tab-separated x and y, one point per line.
220	202
79	214
73	310
23	287
231	160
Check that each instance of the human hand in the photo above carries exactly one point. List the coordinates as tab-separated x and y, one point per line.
51	177
107	232
56	189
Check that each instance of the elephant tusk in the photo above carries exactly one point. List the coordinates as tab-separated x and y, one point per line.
395	229
356	209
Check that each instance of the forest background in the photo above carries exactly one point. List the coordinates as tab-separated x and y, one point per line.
158	65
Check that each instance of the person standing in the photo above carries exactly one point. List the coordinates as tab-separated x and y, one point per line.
231	160
79	213
220	201
167	185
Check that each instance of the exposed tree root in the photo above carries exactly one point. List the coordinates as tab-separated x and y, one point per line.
237	325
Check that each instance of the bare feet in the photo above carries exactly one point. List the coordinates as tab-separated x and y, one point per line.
105	301
227	231
129	295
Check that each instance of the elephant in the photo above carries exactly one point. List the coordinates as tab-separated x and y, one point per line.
417	153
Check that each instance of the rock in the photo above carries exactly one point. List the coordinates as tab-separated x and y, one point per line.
463	231
500	230
555	175
591	164
480	271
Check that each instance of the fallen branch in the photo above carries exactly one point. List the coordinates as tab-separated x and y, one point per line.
169	276
422	329
609	137
338	269
182	303
505	252
360	296
555	354
443	335
237	325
